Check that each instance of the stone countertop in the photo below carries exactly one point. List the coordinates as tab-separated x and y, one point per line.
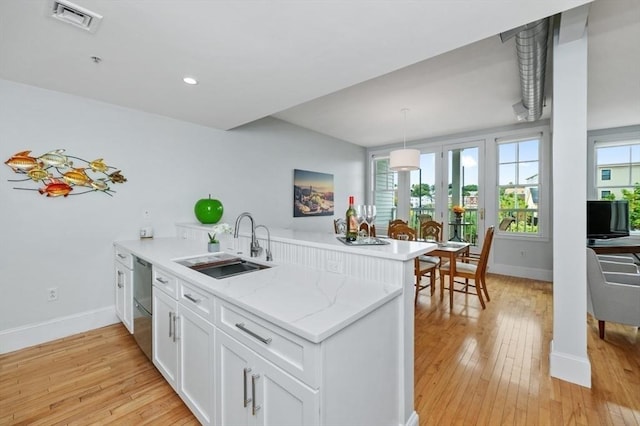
312	304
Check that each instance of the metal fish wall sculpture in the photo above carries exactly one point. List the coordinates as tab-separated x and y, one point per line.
59	176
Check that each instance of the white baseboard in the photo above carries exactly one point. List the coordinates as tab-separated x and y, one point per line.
413	420
522	272
34	334
570	368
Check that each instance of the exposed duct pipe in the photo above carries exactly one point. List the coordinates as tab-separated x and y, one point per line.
531	48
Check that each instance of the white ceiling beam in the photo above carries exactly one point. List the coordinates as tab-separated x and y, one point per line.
573	24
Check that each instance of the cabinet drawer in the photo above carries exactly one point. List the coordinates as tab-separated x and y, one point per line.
124	257
196	299
165	281
295	355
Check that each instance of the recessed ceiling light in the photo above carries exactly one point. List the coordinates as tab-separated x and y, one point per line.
190	80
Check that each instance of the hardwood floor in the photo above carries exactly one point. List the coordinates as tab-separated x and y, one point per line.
472	367
492	367
98	377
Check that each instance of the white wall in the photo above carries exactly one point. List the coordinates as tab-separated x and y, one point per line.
169	164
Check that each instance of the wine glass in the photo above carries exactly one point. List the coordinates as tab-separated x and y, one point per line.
361	213
370	216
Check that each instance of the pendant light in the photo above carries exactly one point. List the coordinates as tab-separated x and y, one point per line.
403	160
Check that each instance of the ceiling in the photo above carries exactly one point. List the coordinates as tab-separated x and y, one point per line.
342	68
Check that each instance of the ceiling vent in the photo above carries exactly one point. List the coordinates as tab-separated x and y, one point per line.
75	15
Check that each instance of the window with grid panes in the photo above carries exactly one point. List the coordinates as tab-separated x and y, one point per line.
518	185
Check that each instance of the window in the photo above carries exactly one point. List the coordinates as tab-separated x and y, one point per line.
617	166
385	187
518	186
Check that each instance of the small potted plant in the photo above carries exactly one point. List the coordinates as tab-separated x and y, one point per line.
458	211
214	243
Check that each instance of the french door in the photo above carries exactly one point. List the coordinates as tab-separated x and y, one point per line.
450	175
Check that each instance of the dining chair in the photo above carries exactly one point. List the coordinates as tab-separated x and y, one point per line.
423	265
393	223
339	226
470	268
431	230
505	223
402	231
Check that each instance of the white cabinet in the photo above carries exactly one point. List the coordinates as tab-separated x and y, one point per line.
124	287
183	344
196	364
165	341
253	391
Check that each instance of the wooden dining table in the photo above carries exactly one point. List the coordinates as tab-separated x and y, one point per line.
449	250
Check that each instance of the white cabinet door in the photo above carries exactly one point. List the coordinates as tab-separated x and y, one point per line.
233	373
124	295
253	391
196	363
165	346
284	401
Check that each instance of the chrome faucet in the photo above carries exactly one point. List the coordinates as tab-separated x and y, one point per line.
268	252
255	246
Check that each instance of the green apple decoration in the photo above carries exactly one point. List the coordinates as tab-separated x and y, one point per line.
208	210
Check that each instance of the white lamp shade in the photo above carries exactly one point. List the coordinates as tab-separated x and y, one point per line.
403	160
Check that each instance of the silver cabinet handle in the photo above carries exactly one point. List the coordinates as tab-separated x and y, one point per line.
170	324
162	280
244	384
120	275
190	297
264	340
175	327
122	256
254	407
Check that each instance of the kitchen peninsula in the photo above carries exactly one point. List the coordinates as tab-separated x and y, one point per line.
323	336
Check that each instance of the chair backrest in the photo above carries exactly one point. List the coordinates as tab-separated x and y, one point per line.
506	223
365	227
393	223
340	226
398	232
424	218
431	230
486	247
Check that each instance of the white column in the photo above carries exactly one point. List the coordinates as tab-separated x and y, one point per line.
568	357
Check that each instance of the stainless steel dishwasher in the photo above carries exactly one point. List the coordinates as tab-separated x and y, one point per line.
142	305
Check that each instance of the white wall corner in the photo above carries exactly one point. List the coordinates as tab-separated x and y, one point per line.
570	368
34	334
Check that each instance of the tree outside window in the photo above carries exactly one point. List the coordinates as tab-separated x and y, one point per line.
518	185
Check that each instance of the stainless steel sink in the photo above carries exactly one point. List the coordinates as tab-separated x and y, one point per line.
222	266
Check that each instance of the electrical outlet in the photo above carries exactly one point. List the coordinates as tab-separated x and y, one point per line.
52	294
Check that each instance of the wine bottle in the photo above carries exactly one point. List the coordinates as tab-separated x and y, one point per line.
352	222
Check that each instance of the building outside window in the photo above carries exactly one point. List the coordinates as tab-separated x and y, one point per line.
518	186
617	166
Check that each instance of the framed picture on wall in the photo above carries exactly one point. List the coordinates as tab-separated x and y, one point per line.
312	194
